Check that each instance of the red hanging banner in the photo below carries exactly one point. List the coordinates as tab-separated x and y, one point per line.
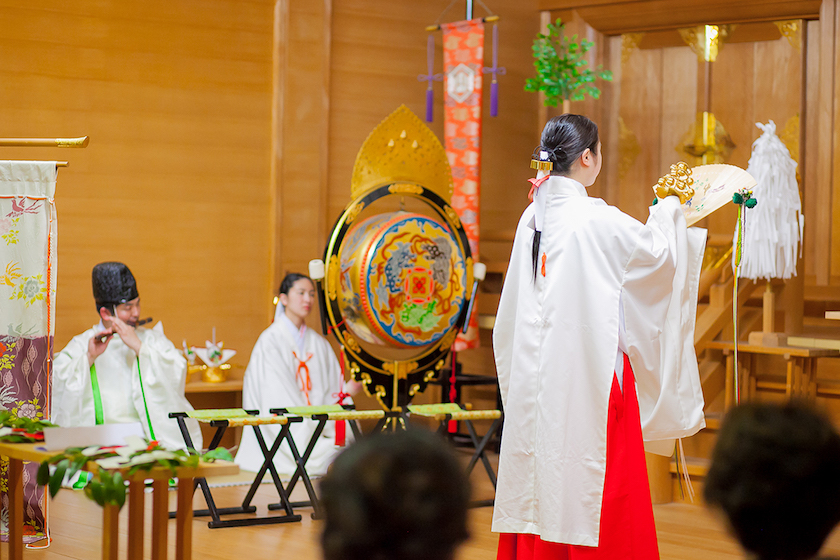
463	58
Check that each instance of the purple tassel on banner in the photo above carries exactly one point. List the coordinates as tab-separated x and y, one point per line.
430	77
494	98
430	100
496	71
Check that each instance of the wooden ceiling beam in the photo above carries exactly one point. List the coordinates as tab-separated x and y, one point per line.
613	17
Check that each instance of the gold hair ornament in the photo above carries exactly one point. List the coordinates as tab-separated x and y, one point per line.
542	165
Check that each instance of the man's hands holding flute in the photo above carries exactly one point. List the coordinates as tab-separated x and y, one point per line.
99	342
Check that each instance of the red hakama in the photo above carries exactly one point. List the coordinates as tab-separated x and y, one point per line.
627	529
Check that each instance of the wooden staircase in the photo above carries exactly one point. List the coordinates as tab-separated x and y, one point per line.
715	321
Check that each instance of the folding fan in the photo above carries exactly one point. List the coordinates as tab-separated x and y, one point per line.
714	186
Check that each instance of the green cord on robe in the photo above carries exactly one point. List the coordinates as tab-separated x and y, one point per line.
145	405
97	396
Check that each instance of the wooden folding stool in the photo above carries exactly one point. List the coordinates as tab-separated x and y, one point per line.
445	412
221	419
322	414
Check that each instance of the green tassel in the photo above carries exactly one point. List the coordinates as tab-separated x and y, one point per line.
737	198
751	203
655	201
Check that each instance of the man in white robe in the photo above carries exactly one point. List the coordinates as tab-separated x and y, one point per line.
116	373
608	285
291	365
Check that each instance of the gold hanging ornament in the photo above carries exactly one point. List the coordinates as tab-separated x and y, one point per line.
706	40
707	141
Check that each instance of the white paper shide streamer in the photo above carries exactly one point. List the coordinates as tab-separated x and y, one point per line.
773	229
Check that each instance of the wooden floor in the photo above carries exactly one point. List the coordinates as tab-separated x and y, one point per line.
686	532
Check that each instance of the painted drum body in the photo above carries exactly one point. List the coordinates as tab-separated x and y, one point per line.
403	280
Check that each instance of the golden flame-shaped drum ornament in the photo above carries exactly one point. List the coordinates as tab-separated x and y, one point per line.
403	280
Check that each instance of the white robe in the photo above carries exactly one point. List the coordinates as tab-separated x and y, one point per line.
555	344
270	382
163	369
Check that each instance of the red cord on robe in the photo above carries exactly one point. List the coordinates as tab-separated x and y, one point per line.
305	383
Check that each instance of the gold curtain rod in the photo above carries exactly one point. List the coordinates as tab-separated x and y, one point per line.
80	142
487	19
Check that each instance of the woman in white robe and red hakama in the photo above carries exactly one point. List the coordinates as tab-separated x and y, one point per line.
594	348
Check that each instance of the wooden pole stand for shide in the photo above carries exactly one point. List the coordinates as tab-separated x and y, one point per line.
767	336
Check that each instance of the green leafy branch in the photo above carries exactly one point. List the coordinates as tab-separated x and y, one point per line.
560	65
15	429
107	487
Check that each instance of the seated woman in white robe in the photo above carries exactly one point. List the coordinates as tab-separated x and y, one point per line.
291	365
115	372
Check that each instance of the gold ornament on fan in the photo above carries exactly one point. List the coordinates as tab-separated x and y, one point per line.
678	182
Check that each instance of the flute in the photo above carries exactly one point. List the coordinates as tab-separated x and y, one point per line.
104	335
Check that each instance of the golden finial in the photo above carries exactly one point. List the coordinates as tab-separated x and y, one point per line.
678	182
402	148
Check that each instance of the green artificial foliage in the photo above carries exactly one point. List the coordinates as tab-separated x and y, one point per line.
561	67
108	485
14	429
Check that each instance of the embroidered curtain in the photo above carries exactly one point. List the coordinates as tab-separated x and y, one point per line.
28	231
463	58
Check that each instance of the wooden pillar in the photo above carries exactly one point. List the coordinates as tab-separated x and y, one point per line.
136	501
15	507
542	110
829	16
608	127
278	99
793	296
300	136
110	532
659	475
183	519
160	518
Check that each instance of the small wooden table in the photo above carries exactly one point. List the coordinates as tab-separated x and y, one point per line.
801	375
228	386
20	452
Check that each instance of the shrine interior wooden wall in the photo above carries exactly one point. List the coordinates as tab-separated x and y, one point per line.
223	135
175	97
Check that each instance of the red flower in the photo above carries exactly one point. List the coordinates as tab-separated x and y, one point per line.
152	445
109	449
3	348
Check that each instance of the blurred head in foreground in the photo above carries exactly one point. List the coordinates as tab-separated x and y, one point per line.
395	496
775	474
